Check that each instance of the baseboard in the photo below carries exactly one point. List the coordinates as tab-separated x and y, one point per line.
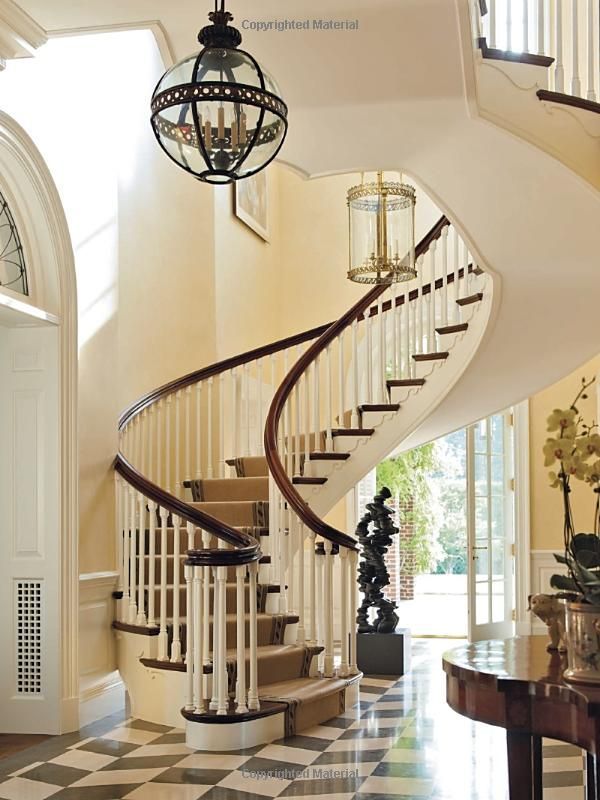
102	698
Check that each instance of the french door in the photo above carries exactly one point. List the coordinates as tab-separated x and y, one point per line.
490	527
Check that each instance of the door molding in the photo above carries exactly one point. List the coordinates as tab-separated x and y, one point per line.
522	519
42	225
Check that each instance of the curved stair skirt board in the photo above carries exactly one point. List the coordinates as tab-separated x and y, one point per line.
226	734
442	377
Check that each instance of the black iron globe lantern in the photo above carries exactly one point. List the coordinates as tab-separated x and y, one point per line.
218	114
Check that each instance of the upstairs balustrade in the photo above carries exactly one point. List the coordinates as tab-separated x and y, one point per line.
566	30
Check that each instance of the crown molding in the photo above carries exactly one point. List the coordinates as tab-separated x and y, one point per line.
20	35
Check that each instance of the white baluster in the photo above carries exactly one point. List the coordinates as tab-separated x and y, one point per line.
316	418
253	702
291	548
381	348
541	27
240	689
118	530
420	308
394	315
559	70
369	324
353	382
352	668
259	408
297	455
168	458
176	644
456	268
188	435
301	637
341	382
287	424
328	400
178	486
509	25
209	430
283	556
592	39
200	655
247	404
444	275
306	421
206	601
492	16
163	636
328	609
526	26
233	418
124	607
199	431
575	78
188	573
137	432
344	560
312	587
152	445
320	560
141	611
220	619
431	338
132	559
152	508
222	425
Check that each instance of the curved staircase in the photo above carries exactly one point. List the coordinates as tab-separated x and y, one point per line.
237	600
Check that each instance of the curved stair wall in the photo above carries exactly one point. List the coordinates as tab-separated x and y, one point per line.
232	588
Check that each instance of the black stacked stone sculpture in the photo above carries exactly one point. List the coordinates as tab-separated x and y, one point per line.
381	650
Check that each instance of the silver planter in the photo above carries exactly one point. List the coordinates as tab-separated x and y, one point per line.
583	637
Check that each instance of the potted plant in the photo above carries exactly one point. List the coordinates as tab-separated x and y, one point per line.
574	447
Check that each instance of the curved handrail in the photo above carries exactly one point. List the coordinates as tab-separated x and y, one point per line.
286	487
248	549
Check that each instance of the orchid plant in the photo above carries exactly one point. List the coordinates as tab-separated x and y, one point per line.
574	448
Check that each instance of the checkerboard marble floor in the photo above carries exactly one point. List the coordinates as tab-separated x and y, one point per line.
401	742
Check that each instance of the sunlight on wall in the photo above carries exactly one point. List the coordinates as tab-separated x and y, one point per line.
70	100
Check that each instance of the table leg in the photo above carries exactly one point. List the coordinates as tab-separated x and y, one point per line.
592	788
520	765
537	767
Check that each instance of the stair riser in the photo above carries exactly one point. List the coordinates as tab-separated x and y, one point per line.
232	490
265	632
230	594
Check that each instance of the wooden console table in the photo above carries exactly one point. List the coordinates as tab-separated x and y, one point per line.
517	685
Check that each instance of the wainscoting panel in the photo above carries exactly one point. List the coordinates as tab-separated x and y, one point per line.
101	689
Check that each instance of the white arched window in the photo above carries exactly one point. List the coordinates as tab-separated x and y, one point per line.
13	274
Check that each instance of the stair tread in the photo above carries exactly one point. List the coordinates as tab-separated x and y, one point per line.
329	456
458	328
442	355
352	431
473	298
305	480
380	407
407	382
305	689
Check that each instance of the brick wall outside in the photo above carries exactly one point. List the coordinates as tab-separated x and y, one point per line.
399	560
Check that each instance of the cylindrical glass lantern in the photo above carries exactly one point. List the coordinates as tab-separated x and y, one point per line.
382	232
218	114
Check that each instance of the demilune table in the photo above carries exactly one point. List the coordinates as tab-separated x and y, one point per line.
517	685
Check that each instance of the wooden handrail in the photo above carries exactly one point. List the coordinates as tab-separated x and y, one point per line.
247	547
286	487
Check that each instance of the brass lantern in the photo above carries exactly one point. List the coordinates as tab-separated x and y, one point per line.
382	232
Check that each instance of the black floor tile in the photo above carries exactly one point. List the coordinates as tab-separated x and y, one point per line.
207	777
95	792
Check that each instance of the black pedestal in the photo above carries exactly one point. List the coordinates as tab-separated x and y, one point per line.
384	653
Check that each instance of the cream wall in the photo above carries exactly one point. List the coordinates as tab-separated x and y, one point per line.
142	234
546	506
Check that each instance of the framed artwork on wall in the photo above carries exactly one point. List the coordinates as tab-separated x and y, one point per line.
251	203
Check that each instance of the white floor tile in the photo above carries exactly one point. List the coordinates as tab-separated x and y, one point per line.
369	743
83	759
131	735
119	776
240	782
413	787
18	772
167	791
160	750
208	761
323	732
23	789
288	755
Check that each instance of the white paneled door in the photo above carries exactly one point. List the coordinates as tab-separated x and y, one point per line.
490	528
29	530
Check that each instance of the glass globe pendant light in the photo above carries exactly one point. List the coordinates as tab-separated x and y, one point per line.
382	232
218	114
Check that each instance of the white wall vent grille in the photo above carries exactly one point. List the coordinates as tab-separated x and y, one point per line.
29	636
